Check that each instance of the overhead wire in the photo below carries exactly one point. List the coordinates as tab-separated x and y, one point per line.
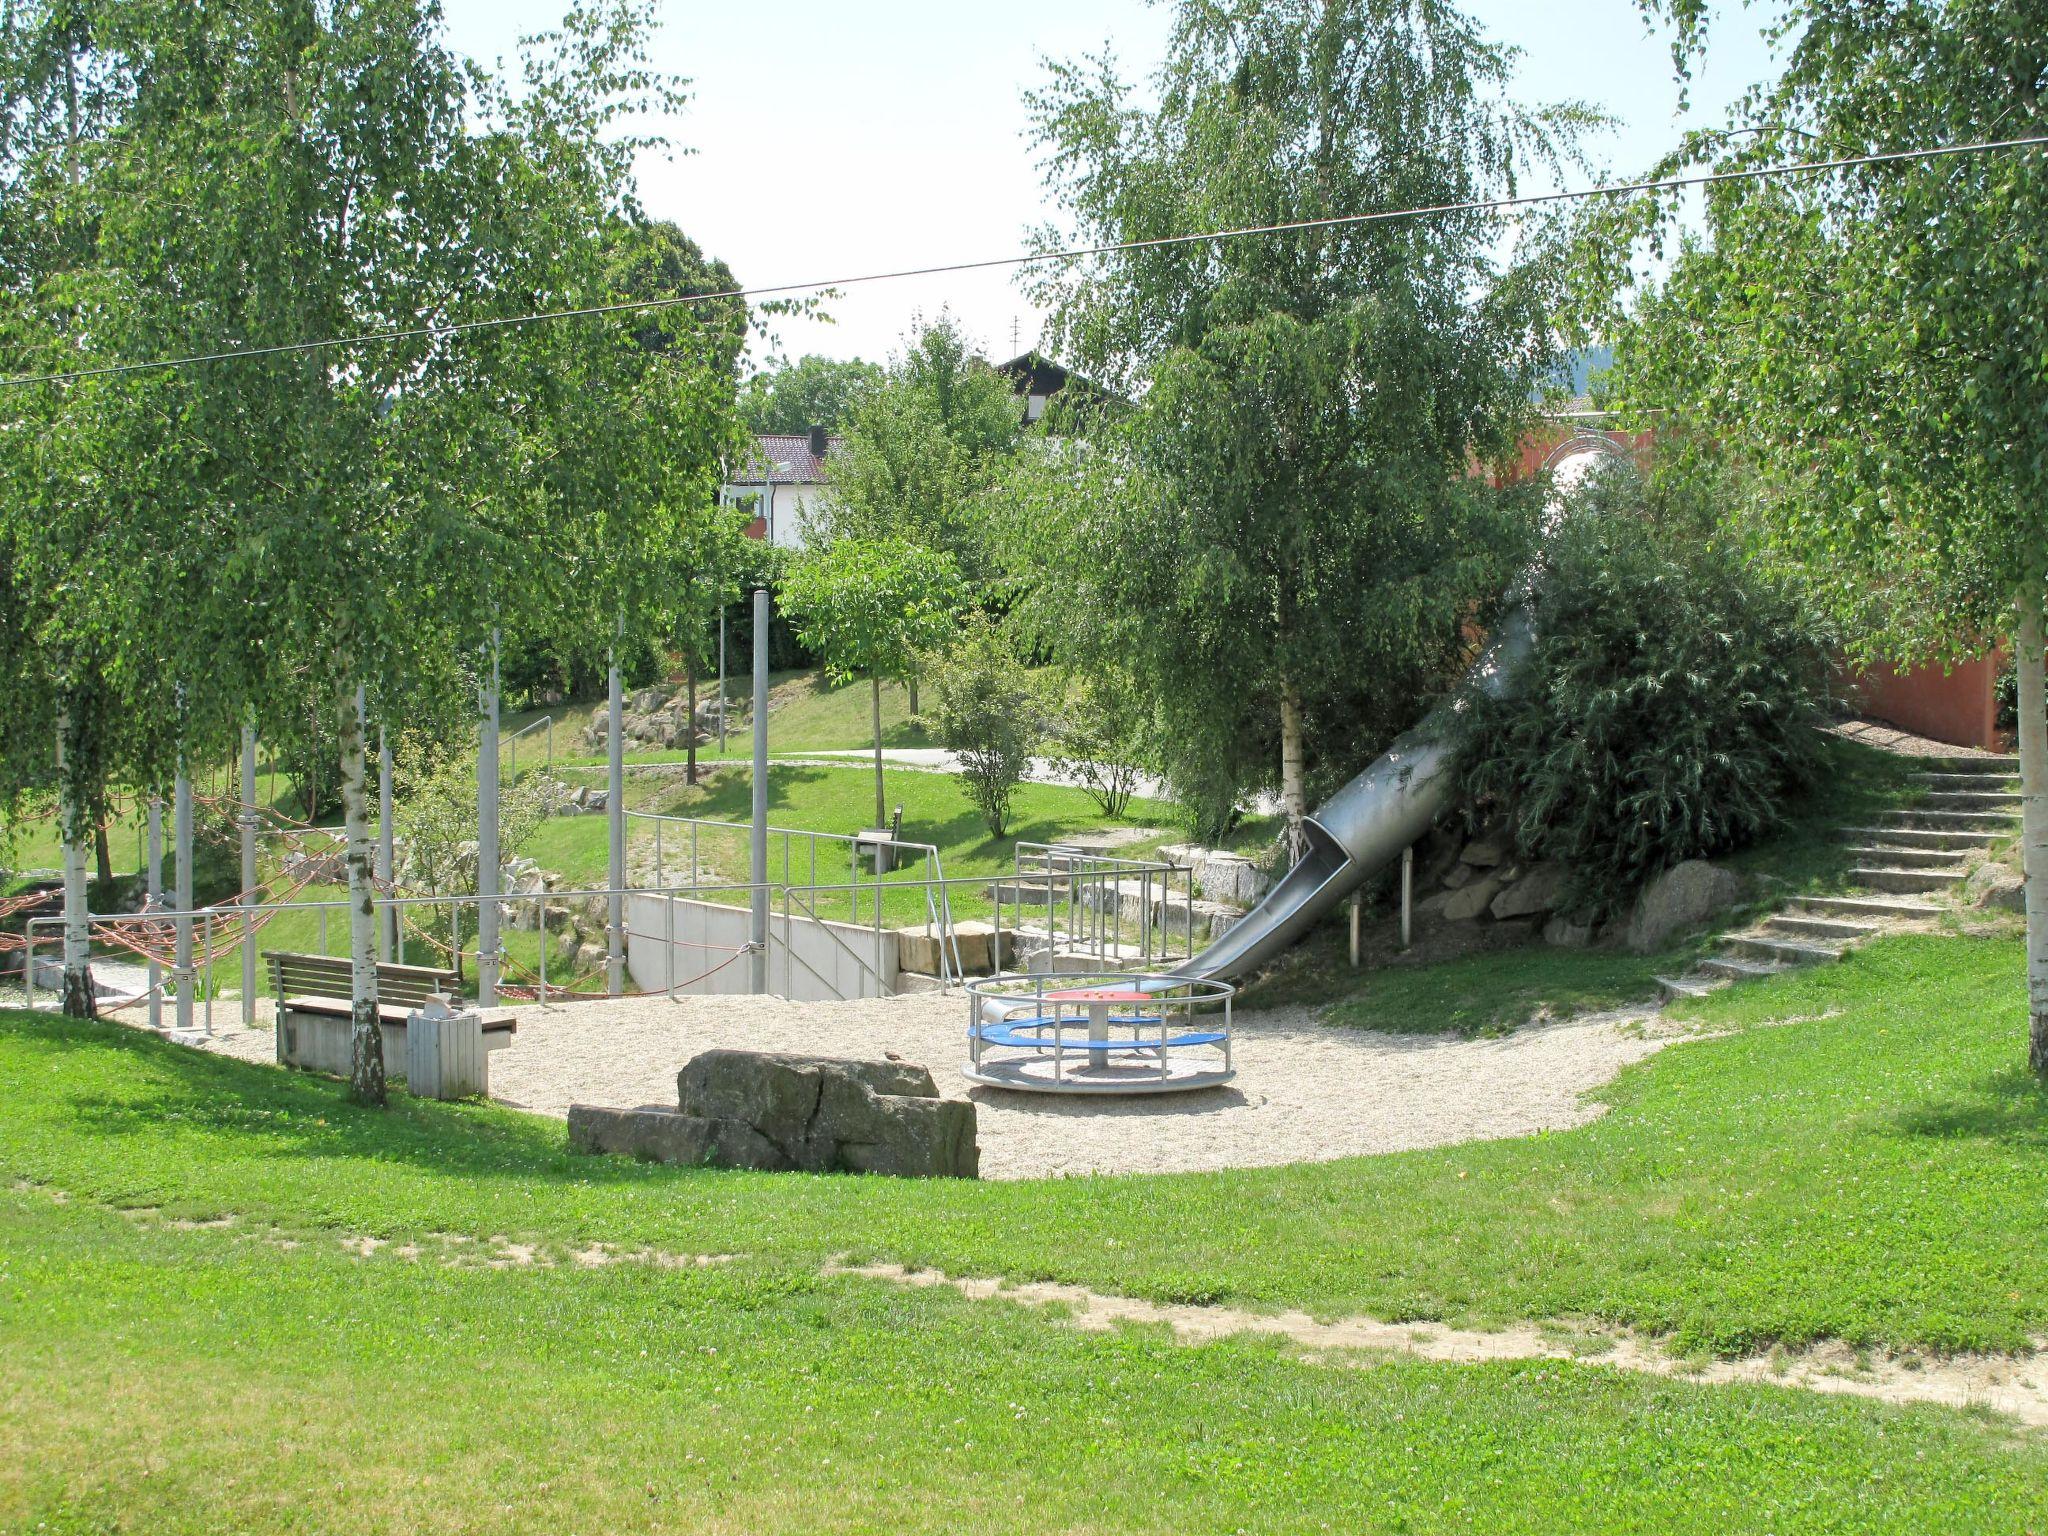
436	332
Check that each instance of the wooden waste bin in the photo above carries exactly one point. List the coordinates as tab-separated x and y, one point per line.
444	1052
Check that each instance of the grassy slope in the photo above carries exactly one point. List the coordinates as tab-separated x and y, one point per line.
1874	1175
807	714
830	798
176	1381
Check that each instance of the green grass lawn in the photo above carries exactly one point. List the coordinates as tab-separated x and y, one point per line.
824	797
806	714
1860	1157
1871	1172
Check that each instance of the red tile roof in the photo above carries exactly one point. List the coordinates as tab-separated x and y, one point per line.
784	458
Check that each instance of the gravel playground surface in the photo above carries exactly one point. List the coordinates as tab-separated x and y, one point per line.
1304	1092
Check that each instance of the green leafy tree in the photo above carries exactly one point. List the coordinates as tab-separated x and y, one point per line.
1098	735
989	712
1875	339
296	171
922	449
811	392
435	824
1284	541
870	608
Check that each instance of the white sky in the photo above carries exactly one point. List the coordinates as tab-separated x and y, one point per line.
833	137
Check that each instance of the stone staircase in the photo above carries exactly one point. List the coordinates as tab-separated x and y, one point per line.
1910	856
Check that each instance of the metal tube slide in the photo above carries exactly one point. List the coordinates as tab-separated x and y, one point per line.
1366	824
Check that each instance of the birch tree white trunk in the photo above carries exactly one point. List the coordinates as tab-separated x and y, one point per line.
366	1040
2033	717
1293	798
77	1000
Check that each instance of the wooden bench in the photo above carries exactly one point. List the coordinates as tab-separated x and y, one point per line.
314	1009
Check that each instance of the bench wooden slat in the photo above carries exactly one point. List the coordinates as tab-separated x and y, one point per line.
326	976
389	1013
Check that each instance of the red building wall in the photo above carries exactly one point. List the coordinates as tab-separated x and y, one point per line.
1957	704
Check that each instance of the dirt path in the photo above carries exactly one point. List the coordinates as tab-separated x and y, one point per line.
2014	1385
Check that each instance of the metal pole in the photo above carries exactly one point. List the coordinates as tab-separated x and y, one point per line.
153	884
615	832
487	864
759	831
248	821
181	837
387	843
1407	897
1356	904
721	682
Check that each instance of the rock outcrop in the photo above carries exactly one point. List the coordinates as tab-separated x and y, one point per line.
778	1112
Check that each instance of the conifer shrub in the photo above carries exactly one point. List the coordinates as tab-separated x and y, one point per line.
1668	710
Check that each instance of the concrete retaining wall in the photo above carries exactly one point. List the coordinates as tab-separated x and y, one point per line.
808	961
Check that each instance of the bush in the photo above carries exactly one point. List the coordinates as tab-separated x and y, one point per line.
1098	739
1668	711
987	710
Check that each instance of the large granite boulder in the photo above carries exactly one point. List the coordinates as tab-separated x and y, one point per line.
1683	897
1995	887
659	1135
757	1109
1536	891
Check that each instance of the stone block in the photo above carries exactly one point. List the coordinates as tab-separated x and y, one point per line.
1567	932
778	1093
1993	887
1683	897
657	1135
1469	901
1485	851
1539	890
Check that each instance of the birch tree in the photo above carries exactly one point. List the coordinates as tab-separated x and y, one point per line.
1284	541
299	171
1875	338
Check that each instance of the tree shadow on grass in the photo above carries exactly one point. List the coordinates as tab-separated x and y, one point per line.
248	1110
2011	1109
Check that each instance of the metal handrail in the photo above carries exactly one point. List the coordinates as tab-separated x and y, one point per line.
511	741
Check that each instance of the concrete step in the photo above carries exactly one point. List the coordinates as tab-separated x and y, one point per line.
1907	858
1677	988
1999	782
1952	821
1871	906
1735	968
1921	837
1905	882
1800	925
1989	762
1970	800
1787	952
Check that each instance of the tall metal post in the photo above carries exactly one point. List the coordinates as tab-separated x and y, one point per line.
247	819
1407	895
615	834
181	838
759	834
387	843
153	887
487	866
721	682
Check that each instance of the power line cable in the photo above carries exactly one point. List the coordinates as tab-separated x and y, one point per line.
1031	258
